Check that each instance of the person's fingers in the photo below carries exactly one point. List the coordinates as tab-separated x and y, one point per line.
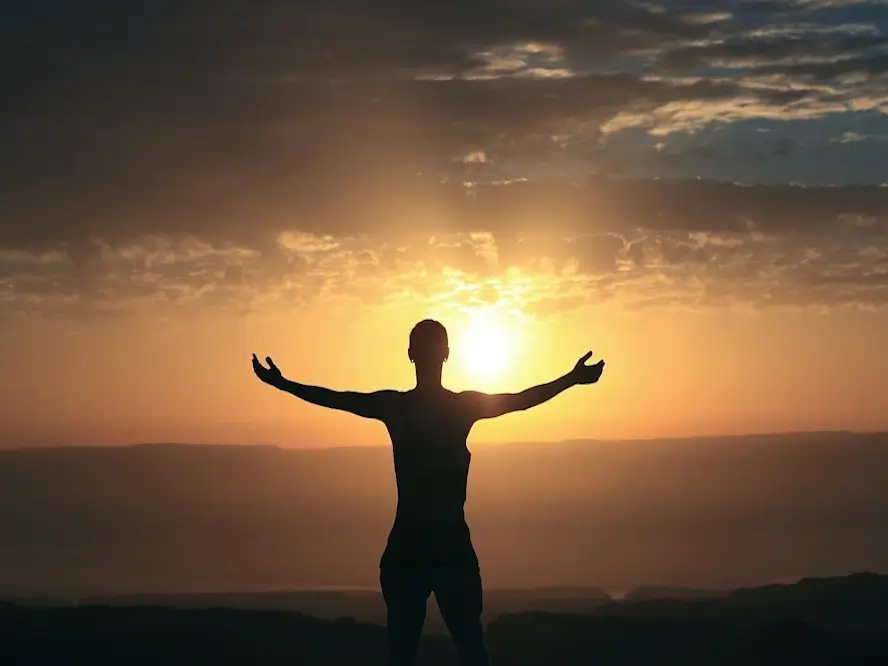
585	358
270	363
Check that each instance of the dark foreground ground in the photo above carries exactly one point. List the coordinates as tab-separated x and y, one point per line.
829	621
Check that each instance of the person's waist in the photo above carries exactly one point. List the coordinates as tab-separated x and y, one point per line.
429	521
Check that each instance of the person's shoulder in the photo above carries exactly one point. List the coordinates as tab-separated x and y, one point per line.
389	396
388	404
468	399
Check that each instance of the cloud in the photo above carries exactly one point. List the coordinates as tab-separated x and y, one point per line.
199	117
791	47
230	152
538	248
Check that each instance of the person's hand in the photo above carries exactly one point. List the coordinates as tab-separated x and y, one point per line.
587	374
270	375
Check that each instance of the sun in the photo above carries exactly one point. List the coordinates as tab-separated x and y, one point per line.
484	348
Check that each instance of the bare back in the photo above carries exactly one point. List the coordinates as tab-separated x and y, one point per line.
428	430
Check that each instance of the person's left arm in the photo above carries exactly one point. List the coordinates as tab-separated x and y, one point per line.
488	406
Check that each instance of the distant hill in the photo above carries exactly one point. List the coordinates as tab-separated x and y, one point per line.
848	603
856	602
653	592
366	606
705	513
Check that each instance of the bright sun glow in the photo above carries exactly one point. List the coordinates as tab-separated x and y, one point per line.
484	348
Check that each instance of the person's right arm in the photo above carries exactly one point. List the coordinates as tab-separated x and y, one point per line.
374	405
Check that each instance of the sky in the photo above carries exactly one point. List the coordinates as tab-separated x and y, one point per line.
696	192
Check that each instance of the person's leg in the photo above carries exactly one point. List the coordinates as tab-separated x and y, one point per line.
459	596
406	592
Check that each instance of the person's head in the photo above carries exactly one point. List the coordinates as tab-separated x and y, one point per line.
428	344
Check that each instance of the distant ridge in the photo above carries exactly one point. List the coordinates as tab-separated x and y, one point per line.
759	435
817	434
856	602
652	592
853	603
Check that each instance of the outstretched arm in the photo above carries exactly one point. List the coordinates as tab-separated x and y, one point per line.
375	405
486	406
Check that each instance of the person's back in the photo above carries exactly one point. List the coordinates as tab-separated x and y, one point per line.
428	431
429	548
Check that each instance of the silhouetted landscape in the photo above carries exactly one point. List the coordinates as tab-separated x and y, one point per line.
815	621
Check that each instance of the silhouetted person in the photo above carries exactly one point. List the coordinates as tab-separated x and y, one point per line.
429	548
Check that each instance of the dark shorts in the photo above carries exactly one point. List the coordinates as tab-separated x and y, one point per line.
429	557
457	590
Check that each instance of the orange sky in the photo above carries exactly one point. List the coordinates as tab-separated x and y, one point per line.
168	375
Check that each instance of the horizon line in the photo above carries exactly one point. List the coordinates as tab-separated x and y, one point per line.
612	593
573	440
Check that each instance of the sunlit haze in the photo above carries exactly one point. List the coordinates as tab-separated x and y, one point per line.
180	193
